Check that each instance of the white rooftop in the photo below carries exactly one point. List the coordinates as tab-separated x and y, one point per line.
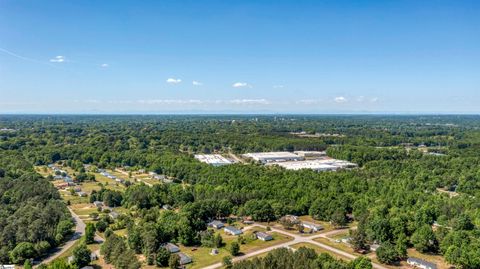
273	156
317	165
213	159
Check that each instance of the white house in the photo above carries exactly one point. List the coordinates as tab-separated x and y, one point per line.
216	224
171	247
184	259
419	263
312	226
232	230
263	236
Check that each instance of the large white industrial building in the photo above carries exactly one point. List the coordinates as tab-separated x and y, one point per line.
311	154
268	157
213	159
317	165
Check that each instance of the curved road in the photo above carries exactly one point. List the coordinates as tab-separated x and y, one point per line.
78	233
296	239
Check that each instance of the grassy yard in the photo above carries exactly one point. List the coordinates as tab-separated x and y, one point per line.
318	250
340	246
436	259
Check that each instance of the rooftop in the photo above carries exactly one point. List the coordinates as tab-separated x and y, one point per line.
326	164
273	156
422	262
214	159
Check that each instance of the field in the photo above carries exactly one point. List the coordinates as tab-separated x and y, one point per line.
318	250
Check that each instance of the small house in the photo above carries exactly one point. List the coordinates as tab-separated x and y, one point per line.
312	226
184	259
263	236
232	230
374	247
167	207
214	251
82	194
419	263
216	224
113	215
172	248
98	203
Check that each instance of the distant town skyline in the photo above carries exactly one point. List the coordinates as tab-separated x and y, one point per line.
194	57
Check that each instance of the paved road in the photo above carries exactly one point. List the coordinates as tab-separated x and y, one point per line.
79	232
125	173
296	239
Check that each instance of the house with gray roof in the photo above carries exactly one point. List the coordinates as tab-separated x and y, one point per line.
172	248
216	224
263	236
419	263
184	258
232	230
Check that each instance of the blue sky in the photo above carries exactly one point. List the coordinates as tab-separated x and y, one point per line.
239	56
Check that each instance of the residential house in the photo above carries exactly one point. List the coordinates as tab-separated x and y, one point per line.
184	259
232	230
113	215
419	263
98	203
172	248
263	236
82	194
216	224
312	226
374	247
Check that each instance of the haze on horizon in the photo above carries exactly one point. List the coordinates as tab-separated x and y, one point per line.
243	57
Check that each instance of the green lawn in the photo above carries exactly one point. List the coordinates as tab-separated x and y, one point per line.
340	246
318	250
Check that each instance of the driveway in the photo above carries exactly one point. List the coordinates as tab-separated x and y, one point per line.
296	239
77	234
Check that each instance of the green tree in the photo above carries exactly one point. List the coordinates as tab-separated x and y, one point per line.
174	261
163	257
23	251
227	262
90	233
387	253
234	249
424	239
361	263
27	264
81	255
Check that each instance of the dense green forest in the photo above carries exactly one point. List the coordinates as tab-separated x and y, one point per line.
393	195
33	219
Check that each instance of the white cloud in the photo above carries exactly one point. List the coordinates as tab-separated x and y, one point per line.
170	101
340	99
308	101
58	59
278	86
249	102
360	99
374	99
104	65
197	83
241	85
173	80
